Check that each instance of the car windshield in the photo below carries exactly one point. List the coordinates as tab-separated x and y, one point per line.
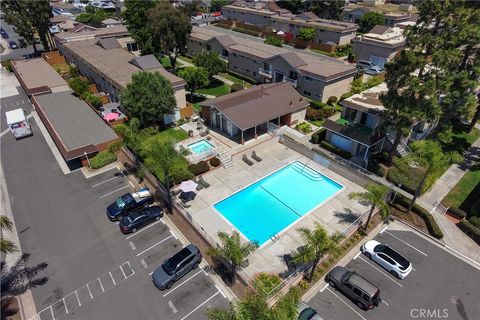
347	276
169	266
120	202
307	314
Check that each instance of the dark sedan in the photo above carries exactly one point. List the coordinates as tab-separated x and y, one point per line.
140	218
4	33
12	44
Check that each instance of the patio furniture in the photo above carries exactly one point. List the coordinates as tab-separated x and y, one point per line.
185	204
205	132
255	157
187	196
199	185
188	186
203	183
247	161
176	192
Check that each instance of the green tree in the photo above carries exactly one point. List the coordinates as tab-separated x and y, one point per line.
295	6
196	78
148	97
370	20
6	245
317	244
307	34
232	250
375	197
136	21
216	5
330	9
41	12
190	9
170	30
92	16
211	61
78	85
274	41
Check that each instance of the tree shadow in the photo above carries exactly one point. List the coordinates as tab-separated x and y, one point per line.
346	216
21	277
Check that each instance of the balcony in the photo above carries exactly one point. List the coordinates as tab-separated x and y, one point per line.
418	135
265	73
291	81
353	125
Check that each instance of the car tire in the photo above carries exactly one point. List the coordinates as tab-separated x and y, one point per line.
368	255
195	266
119	217
361	305
394	273
169	285
157	218
332	283
134	230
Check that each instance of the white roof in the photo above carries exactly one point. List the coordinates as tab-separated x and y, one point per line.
15	116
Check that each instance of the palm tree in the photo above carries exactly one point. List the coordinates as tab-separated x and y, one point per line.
232	250
375	196
317	244
6	245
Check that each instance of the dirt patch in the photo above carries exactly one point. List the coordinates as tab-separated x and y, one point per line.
411	218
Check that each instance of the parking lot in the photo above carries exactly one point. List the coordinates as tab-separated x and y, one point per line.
94	271
440	285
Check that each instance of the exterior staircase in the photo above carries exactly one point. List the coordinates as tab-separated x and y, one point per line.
403	150
225	158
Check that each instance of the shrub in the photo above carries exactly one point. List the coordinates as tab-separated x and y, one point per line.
318	136
236	87
274	41
304	127
346	95
101	159
396	177
78	85
332	100
319	114
373	81
318	105
215	162
458	213
92	99
475	221
114	147
470	230
266	283
223	26
198	168
8	65
337	151
246	31
377	168
306	34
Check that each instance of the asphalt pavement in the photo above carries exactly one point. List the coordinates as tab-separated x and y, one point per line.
15	54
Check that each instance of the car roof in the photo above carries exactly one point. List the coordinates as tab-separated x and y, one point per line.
363	284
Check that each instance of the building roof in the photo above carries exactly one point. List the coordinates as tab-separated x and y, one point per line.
116	64
75	125
368	100
58	19
258	104
308	15
379	29
324	24
37	76
385	36
92	34
148	62
317	66
224	40
108	43
79	27
110	21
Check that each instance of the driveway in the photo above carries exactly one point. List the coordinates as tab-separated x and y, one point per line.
440	286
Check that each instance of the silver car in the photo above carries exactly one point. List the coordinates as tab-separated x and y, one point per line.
388	258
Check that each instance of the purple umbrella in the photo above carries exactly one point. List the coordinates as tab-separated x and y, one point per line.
188	186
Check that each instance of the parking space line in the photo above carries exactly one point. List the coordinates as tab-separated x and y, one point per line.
143	229
89	291
381	272
221	292
356	256
78	299
385	302
181	284
51	310
150	273
144	264
325	287
156	244
385	228
201	305
100	183
131	269
426	255
109	193
66	309
346	304
101	285
123	272
113	280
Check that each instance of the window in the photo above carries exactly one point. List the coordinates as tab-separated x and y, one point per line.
357	292
350	114
235	67
293	75
307	93
234	54
209	47
308	78
254	74
291	25
387	259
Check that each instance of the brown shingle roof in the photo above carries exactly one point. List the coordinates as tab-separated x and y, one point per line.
378	29
258	104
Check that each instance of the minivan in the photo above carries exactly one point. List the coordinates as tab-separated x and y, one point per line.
357	288
364	64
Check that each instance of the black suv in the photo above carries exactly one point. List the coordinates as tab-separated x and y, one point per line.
176	267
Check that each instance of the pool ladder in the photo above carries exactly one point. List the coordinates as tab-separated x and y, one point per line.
274	237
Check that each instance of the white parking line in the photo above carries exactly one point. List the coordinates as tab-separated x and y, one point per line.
66	309
51	310
202	305
170	304
107	194
113	280
381	272
101	285
385	302
123	272
133	234
356	256
132	245
150	273
426	255
78	299
385	228
325	287
181	284
100	183
221	292
156	244
346	304
89	291
144	264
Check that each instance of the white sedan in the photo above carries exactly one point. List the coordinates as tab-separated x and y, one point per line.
388	258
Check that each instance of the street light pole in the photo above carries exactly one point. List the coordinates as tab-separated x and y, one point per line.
86	156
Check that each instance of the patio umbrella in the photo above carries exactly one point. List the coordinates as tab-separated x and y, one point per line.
187	186
111	116
188	196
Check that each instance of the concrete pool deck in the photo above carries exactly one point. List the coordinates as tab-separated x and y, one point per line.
335	214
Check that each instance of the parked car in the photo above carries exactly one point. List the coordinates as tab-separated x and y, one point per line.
357	288
12	44
22	43
127	203
388	258
176	267
140	218
4	33
305	312
365	64
375	70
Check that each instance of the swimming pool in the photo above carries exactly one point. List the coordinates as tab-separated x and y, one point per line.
265	208
201	147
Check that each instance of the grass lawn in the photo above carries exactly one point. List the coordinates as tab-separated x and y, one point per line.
165	61
215	88
196	107
466	191
317	123
235	79
176	134
185	58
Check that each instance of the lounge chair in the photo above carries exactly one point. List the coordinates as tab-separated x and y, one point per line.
199	184
185	204
247	161
176	192
255	157
203	183
203	133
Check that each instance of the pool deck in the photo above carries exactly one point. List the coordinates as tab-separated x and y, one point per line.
335	214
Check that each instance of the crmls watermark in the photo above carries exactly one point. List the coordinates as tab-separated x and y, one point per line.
422	313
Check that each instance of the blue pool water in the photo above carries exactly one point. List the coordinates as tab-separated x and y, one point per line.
268	206
201	146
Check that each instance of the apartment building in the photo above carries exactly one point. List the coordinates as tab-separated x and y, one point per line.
106	62
329	31
315	76
354	13
380	45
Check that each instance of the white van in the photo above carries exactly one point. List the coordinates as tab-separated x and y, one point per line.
18	123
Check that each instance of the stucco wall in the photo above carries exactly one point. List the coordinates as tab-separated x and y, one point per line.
245	17
363	50
298	116
337	88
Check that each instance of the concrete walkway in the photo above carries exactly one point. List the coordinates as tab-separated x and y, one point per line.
224	80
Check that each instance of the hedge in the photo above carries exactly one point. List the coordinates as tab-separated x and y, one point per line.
246	31
318	136
223	26
198	168
475	209
101	159
318	105
332	100
470	230
377	168
215	162
319	114
432	225
236	87
475	221
337	151
458	213
395	176
271	40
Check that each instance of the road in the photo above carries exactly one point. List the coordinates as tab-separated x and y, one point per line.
16	53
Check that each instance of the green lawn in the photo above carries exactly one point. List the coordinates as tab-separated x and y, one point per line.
234	79
317	123
185	58
165	61
196	107
176	134
215	88
460	196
